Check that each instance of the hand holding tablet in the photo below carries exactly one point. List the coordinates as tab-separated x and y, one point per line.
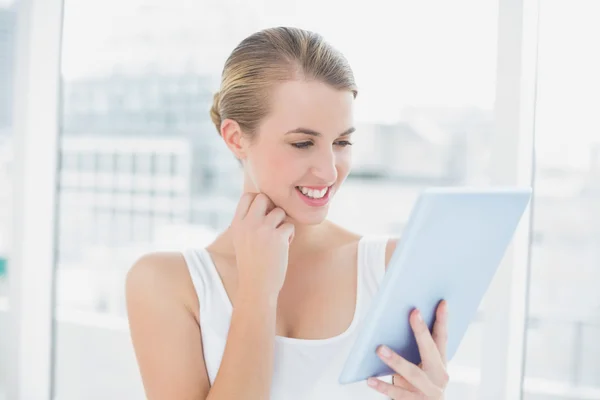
430	377
450	250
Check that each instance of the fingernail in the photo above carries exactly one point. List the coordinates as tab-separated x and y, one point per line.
372	382
419	317
385	352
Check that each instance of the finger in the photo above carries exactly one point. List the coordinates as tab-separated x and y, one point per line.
400	381
287	229
260	207
440	329
243	205
430	356
275	217
393	392
412	373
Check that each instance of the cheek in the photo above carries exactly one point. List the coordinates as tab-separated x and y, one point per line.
343	164
281	161
277	167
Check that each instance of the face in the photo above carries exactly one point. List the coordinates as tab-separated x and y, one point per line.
302	151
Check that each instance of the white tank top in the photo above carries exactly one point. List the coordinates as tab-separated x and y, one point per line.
304	369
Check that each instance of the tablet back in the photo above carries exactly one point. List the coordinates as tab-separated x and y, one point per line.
453	243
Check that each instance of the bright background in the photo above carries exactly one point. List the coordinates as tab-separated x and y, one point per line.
447	97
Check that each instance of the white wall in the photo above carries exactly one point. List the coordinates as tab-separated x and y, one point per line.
107	352
93	362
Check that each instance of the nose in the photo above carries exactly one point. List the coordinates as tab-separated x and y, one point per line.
324	166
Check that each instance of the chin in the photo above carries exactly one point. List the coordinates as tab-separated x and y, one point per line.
314	217
303	214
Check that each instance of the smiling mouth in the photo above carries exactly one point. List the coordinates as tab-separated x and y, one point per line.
313	193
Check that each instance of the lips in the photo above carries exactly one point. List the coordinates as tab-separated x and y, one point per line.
321	195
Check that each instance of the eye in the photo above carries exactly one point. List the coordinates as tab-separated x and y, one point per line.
302	145
343	143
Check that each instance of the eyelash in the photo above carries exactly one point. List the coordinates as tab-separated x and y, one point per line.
305	145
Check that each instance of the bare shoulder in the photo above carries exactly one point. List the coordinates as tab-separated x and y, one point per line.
349	238
346	238
161	275
163	268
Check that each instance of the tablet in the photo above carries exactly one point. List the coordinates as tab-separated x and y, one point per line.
452	245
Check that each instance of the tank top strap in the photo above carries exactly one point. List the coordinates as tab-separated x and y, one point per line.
371	263
205	279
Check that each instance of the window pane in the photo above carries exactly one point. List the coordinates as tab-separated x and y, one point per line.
563	351
8	19
141	91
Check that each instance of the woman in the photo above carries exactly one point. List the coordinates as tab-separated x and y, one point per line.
271	307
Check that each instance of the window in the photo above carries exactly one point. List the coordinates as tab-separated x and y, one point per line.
122	231
88	161
143	164
564	301
105	164
175	167
69	162
5	210
104	226
141	227
163	164
424	115
427	75
8	19
124	164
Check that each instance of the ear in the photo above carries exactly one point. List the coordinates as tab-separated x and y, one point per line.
234	138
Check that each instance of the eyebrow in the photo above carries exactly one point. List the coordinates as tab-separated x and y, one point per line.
311	132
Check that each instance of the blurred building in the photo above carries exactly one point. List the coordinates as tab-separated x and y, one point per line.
5	185
115	191
426	147
143	104
140	84
5	198
7	38
564	304
160	106
566	242
398	151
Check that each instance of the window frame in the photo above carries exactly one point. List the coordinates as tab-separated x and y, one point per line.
35	141
512	163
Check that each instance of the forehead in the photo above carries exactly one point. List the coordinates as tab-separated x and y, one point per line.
310	104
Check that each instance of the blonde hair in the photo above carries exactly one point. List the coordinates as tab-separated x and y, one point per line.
272	56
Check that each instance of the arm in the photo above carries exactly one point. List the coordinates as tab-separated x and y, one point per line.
162	308
247	366
164	330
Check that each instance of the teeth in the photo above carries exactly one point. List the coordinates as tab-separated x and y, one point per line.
313	193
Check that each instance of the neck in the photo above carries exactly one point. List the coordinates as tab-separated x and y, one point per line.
307	238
